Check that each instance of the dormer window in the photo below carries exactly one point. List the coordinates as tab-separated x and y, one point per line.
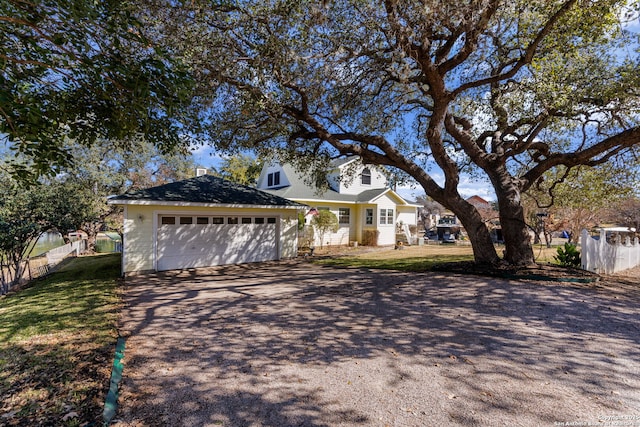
273	179
366	176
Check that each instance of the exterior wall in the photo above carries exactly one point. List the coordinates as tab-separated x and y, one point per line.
407	215
138	242
378	180
345	234
141	222
263	178
387	231
363	222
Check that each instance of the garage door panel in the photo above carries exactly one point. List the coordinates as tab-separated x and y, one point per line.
199	245
257	242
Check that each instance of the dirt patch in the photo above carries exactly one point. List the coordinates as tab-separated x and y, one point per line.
297	344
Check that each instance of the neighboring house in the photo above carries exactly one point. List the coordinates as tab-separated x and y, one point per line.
205	221
480	203
489	215
363	203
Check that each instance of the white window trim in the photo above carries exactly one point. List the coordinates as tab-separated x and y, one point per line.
385	217
348	216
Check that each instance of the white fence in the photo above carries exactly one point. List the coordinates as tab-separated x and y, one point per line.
602	257
39	266
54	256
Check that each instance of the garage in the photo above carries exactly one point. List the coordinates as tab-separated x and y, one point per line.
187	241
205	221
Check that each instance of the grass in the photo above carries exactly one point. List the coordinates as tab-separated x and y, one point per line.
419	258
56	344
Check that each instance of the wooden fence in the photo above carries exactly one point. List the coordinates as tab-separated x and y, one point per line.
40	266
602	257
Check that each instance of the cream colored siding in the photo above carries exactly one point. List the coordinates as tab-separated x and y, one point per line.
141	224
407	215
378	180
345	233
139	238
387	231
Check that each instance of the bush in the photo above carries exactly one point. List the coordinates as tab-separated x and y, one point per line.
568	256
370	237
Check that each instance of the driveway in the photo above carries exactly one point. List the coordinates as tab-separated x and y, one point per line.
296	344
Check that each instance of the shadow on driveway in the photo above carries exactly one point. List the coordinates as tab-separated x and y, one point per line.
295	344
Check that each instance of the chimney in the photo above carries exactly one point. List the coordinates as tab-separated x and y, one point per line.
201	171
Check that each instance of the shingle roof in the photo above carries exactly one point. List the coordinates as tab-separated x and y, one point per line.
307	193
205	189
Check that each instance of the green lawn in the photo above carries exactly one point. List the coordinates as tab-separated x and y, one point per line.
56	344
418	258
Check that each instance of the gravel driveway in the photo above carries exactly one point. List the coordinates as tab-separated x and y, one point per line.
296	344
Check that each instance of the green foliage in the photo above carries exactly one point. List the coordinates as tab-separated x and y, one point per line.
241	168
301	220
325	222
568	255
66	203
83	70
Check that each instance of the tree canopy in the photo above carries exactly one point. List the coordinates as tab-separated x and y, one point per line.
510	90
505	89
83	70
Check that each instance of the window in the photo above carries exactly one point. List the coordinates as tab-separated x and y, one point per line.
232	220
271	220
202	220
273	179
366	176
168	220
186	220
246	220
217	220
258	221
368	216
343	215
386	216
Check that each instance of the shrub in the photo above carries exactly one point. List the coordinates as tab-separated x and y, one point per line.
325	222
568	256
370	237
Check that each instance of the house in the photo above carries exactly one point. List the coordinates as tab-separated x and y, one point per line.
480	203
357	194
204	221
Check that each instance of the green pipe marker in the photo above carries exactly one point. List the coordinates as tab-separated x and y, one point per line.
111	402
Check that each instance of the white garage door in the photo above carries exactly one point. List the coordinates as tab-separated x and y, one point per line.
204	241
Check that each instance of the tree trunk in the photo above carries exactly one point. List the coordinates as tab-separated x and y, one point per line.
484	252
517	240
92	230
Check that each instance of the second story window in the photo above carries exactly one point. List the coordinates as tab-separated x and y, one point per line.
366	176
273	179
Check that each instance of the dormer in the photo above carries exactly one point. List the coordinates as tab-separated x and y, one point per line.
362	178
272	176
365	176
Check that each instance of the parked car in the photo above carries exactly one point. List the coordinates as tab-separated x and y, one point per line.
448	238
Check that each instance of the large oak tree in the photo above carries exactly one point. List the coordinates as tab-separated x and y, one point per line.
509	89
83	70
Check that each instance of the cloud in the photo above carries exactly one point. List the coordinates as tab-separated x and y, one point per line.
206	156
